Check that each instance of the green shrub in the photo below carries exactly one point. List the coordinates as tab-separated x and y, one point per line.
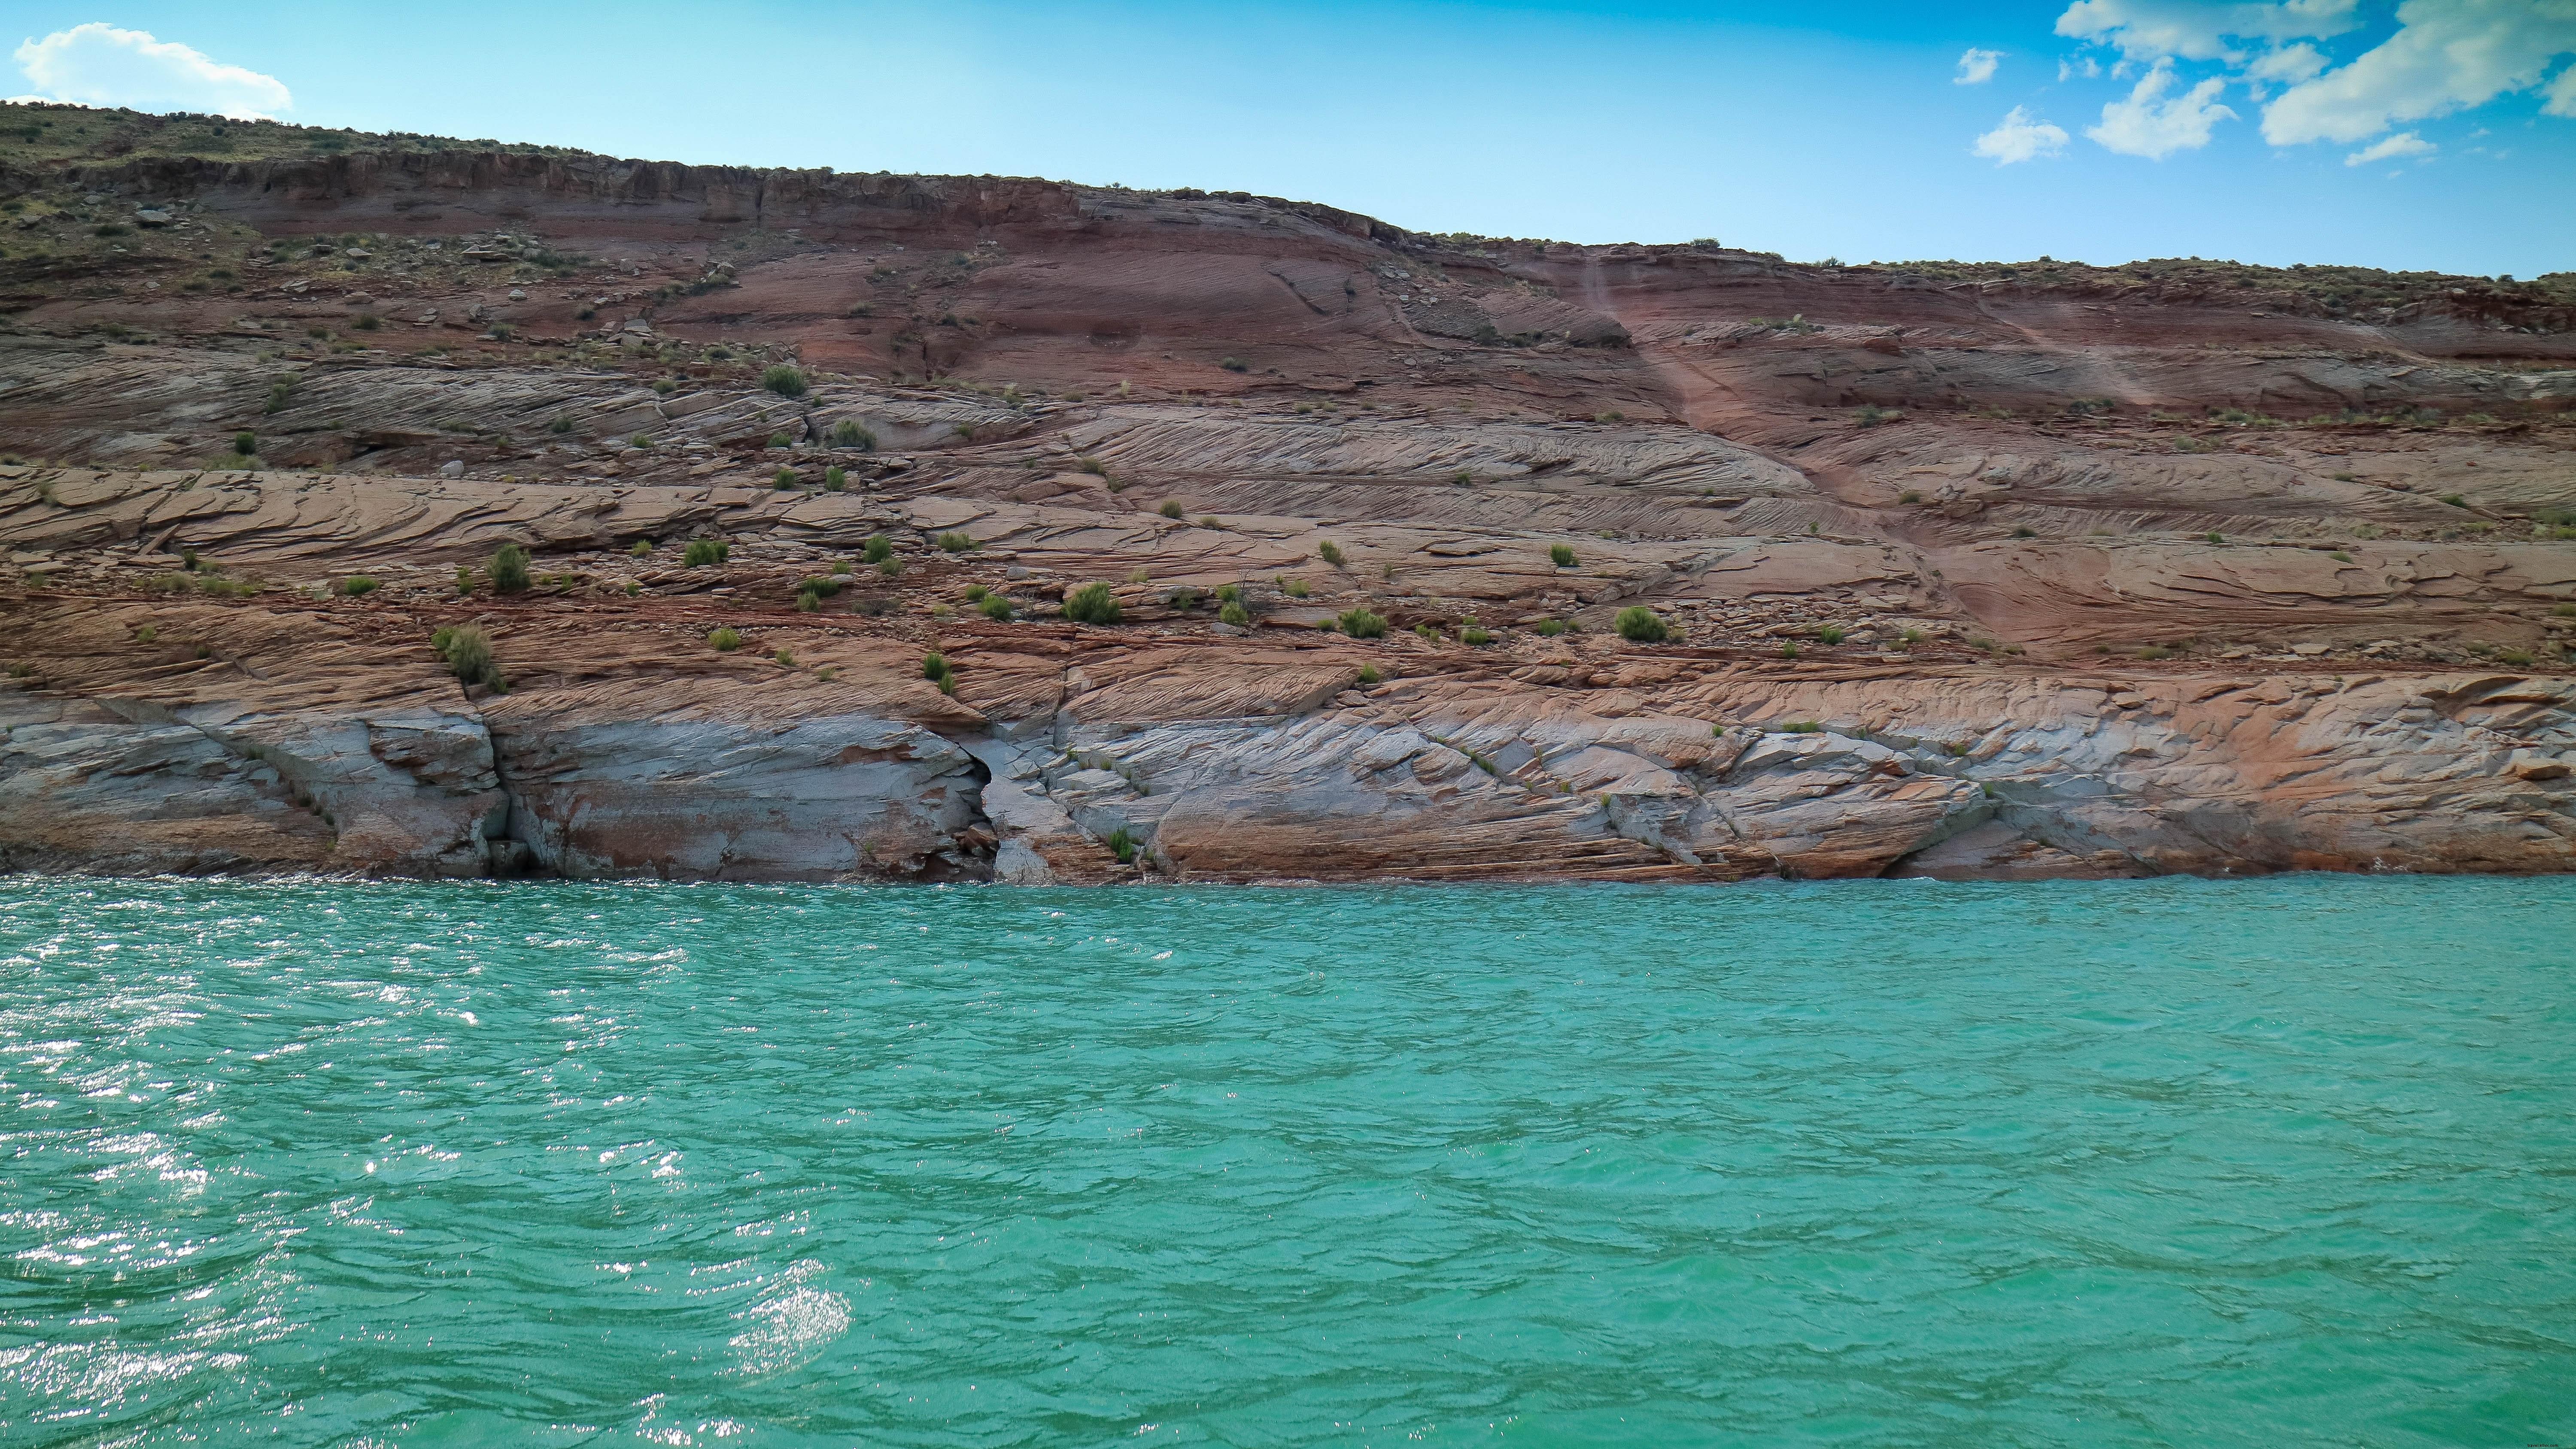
1234	614
2215	537
1909	638
640	440
1229	593
2453	499
1561	554
808	602
955	543
1639	625
2025	532
934	667
890	568
1172	508
1093	603
1363	624
1294	588
1829	635
783	657
840	566
997	608
246	444
1789	650
1122	845
1330	552
2519	658
784	381
1802	727
879	548
821	585
1085	463
509	569
562	424
704	551
1548	627
367	322
356	584
726	640
781	440
1909	496
835	479
464	579
1234	364
1369	674
849	434
1475	636
467	652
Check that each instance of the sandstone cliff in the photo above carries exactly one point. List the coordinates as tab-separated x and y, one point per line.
1961	571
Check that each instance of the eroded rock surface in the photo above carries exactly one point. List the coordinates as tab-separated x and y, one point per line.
1970	572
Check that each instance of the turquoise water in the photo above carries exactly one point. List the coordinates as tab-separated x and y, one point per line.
2177	1162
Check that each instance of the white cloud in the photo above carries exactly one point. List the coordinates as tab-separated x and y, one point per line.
2561	100
1977	67
2150	124
2198	29
100	65
2083	65
2447	55
2021	137
2290	64
2404	143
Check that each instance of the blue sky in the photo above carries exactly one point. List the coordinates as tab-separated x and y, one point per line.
2428	134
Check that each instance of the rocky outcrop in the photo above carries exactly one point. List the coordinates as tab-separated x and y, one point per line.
1949	570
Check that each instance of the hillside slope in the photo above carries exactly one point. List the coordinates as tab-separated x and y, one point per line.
1960	569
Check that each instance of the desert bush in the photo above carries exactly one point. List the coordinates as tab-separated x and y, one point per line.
1474	635
562	424
784	478
781	440
1830	634
1235	614
509	569
1548	627
726	639
1802	727
848	433
1561	554
1093	603
704	551
935	668
1294	588
835	479
879	548
1369	675
1122	845
781	656
784	381
1330	552
467	652
357	584
367	322
1172	508
1363	624
1639	625
1234	364
955	543
246	444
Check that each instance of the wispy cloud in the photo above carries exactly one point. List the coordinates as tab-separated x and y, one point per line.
100	65
2021	137
1977	67
2447	55
2444	56
2151	124
2404	143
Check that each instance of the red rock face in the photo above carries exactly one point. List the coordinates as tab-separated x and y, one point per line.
1966	571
